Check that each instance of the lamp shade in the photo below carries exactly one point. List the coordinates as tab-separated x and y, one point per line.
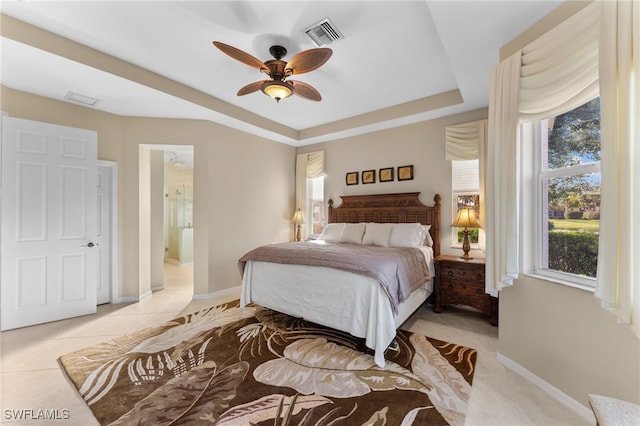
298	217
466	218
277	90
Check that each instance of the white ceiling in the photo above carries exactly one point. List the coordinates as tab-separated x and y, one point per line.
395	57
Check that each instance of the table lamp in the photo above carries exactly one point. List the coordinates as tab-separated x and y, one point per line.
298	220
466	219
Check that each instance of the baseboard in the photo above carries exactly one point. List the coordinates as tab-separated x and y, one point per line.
133	299
556	393
144	295
126	300
227	292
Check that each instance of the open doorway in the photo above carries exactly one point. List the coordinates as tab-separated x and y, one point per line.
166	203
178	216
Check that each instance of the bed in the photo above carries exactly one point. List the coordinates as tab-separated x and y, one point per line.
352	302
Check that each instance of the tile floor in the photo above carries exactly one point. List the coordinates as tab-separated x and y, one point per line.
30	377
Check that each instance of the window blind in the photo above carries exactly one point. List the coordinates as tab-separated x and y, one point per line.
465	176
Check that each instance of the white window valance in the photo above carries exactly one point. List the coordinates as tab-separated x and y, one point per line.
464	141
315	164
559	70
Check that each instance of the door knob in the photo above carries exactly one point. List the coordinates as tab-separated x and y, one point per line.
89	245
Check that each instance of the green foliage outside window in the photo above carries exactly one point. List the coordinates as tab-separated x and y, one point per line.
574	199
573	140
574	252
473	235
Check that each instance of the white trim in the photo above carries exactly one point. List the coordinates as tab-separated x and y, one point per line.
144	295
114	227
227	292
126	300
566	278
133	299
560	281
538	130
554	392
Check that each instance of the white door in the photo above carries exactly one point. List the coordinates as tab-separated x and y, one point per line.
49	263
103	225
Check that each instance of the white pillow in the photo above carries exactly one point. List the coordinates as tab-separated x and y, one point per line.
428	241
406	235
377	234
332	232
352	233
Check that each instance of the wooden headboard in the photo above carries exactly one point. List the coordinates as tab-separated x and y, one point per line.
389	208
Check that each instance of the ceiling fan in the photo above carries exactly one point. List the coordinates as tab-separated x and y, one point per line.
278	87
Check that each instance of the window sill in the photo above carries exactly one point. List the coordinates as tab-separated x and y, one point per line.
555	280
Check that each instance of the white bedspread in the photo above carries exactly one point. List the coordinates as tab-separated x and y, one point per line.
338	299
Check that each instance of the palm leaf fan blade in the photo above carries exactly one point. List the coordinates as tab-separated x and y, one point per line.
305	90
308	60
250	88
242	56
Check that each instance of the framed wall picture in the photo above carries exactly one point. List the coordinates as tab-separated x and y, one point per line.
405	172
352	178
386	174
369	176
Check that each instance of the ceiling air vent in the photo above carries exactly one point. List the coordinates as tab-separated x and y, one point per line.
323	33
81	99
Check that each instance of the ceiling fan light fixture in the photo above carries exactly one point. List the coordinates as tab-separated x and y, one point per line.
277	90
279	70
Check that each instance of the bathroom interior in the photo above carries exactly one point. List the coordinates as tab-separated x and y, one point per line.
178	208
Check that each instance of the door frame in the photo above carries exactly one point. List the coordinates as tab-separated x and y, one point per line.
114	293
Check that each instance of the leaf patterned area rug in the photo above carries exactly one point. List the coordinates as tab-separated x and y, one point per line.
227	365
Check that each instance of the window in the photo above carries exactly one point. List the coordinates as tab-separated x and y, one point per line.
465	185
569	195
315	205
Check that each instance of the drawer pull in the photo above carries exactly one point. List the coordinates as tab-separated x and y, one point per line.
450	273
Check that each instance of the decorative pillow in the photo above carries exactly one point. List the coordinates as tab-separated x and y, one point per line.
428	241
332	232
352	233
406	235
377	234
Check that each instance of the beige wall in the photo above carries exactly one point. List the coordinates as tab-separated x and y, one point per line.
563	336
560	333
420	144
243	186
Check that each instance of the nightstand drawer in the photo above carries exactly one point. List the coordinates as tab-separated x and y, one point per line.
464	273
457	293
465	288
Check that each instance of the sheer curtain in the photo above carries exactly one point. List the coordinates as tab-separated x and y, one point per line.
618	284
308	165
502	186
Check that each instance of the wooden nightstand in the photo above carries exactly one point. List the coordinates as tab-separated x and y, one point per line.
461	282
